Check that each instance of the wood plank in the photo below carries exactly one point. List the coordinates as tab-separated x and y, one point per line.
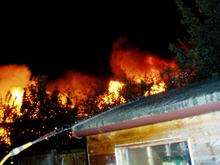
203	133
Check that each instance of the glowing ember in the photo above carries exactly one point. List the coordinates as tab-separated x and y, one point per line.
17	97
113	94
158	85
156	88
81	113
62	99
115	87
4	136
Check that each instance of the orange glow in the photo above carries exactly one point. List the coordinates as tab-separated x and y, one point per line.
156	88
115	87
13	80
135	73
17	97
138	66
4	136
113	94
80	86
62	99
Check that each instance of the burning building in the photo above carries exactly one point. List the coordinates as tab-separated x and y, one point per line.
158	121
181	125
178	126
135	73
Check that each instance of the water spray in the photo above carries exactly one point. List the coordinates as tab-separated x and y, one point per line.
19	149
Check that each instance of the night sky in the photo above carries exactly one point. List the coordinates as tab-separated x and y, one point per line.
54	43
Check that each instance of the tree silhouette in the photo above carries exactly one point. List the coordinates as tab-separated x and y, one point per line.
197	51
8	114
42	113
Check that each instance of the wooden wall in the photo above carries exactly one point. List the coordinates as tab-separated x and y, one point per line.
202	133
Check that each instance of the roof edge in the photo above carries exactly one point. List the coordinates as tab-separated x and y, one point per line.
179	114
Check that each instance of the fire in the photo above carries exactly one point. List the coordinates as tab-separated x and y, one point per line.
114	87
146	72
138	66
13	80
62	99
80	86
17	97
113	94
156	88
4	136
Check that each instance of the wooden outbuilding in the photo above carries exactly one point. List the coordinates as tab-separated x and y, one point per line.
181	126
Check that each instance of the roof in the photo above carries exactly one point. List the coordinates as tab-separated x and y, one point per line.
175	100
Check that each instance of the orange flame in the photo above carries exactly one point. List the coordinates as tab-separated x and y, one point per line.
80	86
156	88
126	64
62	99
139	67
17	97
13	79
4	136
112	95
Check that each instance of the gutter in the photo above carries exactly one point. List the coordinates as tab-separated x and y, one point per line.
178	114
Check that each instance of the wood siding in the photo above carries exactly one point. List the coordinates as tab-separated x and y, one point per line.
202	132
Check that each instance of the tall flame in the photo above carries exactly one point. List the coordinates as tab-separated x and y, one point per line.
13	80
17	96
138	66
77	89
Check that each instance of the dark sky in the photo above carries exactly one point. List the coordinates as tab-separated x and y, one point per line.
54	43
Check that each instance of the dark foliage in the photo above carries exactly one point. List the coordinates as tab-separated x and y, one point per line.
197	51
42	113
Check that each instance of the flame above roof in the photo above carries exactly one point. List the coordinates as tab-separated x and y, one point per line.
179	103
